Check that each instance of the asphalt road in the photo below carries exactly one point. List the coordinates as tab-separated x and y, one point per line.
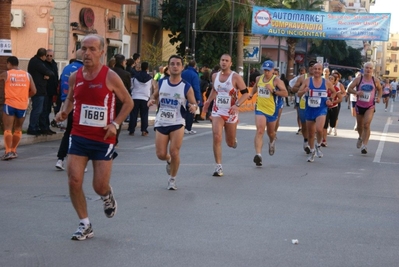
343	209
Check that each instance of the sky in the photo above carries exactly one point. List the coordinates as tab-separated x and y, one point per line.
388	6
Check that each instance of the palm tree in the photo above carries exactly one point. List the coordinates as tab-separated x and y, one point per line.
291	41
5	33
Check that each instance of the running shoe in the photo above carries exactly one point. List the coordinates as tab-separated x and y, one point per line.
306	147
218	170
168	167
258	160
364	149
329	130
60	164
319	154
186	131
7	156
172	184
359	143
83	232
192	132
14	155
335	131
299	131
312	155
272	148
110	205
323	144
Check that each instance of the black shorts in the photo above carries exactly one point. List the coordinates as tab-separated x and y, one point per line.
362	111
166	130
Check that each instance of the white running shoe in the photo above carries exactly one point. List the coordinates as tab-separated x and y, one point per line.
312	155
335	131
186	131
110	205
306	147
60	165
83	232
218	170
319	154
172	184
192	132
329	130
272	148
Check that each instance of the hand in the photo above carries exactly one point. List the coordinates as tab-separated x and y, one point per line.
250	96
46	77
233	110
192	108
150	102
111	131
61	116
377	99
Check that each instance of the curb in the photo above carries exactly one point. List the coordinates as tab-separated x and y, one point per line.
31	139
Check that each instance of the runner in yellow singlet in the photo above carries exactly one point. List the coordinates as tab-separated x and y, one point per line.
269	88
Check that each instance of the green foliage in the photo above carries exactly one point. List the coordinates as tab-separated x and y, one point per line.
152	53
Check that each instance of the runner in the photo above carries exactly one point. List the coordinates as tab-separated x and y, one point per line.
18	87
367	87
302	104
169	124
269	88
316	89
225	86
386	93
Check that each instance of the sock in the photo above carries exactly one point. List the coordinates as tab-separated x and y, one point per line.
85	221
7	140
15	140
259	154
172	178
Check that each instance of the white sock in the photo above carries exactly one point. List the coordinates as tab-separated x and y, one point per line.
85	221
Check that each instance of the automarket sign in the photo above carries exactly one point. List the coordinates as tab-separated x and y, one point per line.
320	25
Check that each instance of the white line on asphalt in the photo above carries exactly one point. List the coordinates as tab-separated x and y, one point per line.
378	153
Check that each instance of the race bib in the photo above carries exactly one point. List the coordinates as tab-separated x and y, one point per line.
167	114
314	102
365	97
263	92
223	102
94	116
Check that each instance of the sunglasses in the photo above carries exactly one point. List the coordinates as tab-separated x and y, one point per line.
49	55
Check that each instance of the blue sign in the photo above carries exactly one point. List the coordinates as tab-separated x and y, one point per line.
320	25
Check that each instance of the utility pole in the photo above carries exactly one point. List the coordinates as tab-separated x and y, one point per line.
140	30
231	28
193	34
187	39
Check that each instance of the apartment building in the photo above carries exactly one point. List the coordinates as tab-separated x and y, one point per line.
391	59
60	25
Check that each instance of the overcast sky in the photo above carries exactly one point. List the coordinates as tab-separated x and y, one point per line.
388	6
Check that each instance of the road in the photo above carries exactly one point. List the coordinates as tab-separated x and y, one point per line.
343	209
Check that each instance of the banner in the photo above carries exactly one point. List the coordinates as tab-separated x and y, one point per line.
320	25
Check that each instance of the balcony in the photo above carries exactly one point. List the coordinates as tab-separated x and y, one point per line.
393	48
152	13
125	2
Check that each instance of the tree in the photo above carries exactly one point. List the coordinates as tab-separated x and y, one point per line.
5	33
291	41
152	52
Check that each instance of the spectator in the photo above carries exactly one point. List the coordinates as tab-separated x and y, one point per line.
40	74
159	74
204	85
52	94
136	64
285	80
252	76
190	75
120	65
142	86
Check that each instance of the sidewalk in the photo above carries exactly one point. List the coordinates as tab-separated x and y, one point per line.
31	139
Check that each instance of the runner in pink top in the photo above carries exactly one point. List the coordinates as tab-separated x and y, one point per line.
367	86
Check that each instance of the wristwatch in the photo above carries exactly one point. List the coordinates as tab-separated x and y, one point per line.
116	125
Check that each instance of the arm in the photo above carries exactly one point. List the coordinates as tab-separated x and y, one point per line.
155	95
239	83
379	90
297	85
282	90
353	85
254	88
32	86
330	87
212	95
192	105
342	88
304	88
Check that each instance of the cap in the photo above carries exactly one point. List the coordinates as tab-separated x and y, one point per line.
268	65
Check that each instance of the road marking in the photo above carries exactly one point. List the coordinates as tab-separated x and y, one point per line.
380	149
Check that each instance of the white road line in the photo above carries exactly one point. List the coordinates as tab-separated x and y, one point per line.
380	149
